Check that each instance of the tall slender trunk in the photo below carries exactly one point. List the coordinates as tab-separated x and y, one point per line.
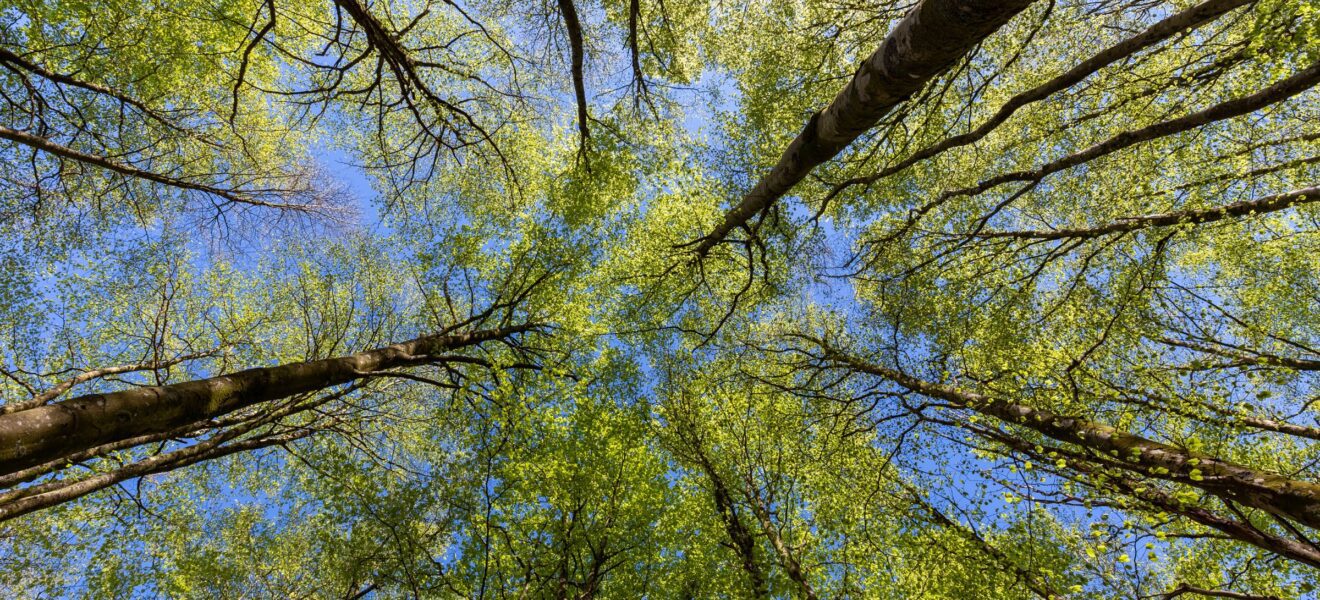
925	43
1273	493
792	566
37	435
740	537
578	57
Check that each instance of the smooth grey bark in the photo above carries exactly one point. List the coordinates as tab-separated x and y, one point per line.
37	435
925	43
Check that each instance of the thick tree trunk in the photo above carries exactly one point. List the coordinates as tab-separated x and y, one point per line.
578	57
1270	492
1176	24
924	44
41	434
1242	531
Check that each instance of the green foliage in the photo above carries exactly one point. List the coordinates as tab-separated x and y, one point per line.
309	194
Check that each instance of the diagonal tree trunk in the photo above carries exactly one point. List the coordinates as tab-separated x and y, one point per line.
792	566
1241	208
741	539
231	195
925	43
1243	531
1176	24
36	435
1270	492
740	536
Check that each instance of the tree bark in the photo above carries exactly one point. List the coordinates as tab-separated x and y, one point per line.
925	43
37	435
1241	531
790	563
1242	208
578	57
1273	493
740	537
1175	24
160	463
1196	591
231	195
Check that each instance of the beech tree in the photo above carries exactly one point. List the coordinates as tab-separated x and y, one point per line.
927	299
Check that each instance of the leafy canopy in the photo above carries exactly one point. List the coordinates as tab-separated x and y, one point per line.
1048	326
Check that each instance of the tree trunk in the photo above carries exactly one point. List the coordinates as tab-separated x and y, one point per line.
925	43
40	434
1270	492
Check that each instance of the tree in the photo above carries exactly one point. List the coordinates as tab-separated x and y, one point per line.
673	298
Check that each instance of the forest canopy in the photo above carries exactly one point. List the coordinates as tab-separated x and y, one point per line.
659	299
